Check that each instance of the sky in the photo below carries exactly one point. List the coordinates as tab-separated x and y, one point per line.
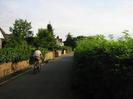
79	17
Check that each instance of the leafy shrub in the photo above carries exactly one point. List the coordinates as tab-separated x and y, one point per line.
16	54
103	68
67	48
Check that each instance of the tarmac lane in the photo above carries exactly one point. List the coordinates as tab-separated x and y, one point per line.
53	82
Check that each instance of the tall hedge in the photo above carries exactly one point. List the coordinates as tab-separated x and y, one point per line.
104	68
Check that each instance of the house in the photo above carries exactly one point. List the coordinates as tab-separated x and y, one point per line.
3	36
0	43
59	41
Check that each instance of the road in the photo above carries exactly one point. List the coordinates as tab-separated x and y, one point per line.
53	82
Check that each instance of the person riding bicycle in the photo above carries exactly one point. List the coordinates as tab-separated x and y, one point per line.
38	57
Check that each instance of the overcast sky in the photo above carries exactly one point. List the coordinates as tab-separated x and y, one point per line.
80	17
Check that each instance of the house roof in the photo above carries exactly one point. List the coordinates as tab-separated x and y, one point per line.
1	35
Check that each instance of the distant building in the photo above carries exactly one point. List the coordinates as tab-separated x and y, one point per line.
59	41
3	36
0	43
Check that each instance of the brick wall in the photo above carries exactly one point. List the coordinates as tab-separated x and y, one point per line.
50	55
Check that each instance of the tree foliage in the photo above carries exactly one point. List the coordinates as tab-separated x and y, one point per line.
70	41
20	30
50	29
45	38
104	66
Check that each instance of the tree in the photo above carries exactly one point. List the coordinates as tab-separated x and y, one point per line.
50	29
31	40
20	30
46	39
70	41
80	38
125	36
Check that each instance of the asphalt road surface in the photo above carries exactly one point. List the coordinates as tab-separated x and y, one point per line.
53	82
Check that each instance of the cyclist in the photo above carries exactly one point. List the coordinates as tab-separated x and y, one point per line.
38	59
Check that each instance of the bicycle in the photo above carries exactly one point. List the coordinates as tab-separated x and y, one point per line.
36	67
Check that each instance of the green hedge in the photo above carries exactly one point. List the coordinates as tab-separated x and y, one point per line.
17	54
67	48
104	68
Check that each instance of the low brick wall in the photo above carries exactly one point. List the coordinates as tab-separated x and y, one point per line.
64	52
8	68
5	69
58	53
50	55
20	66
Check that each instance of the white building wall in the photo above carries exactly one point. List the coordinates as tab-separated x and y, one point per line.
1	37
0	43
59	43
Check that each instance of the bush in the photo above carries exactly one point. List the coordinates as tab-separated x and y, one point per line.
67	48
103	68
16	54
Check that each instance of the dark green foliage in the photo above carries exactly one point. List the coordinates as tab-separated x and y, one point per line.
104	68
70	41
67	48
46	39
50	29
17	54
31	41
20	31
14	54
